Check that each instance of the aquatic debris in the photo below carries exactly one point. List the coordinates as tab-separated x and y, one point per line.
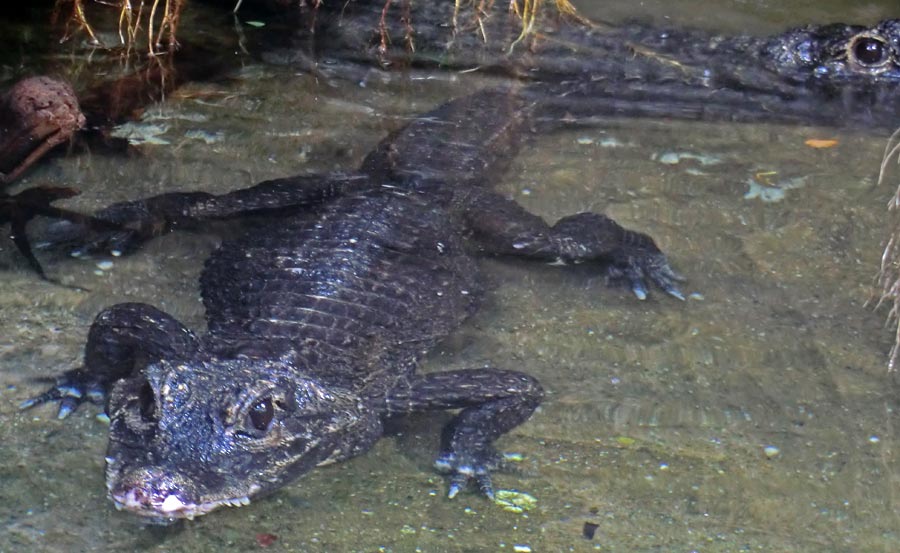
605	142
131	22
205	136
821	142
265	539
674	158
611	142
141	133
515	501
36	115
763	188
889	272
528	14
771	451
589	530
168	115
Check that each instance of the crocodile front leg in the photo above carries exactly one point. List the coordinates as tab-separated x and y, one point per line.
502	227
138	221
123	339
493	402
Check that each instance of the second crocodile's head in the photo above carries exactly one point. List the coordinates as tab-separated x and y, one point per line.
187	437
838	54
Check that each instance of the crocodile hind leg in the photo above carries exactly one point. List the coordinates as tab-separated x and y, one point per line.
493	402
123	339
500	226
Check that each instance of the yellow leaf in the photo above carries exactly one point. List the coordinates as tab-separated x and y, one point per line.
821	142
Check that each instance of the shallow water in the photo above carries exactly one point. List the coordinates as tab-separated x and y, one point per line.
658	413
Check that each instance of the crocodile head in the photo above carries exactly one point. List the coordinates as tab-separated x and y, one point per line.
188	437
838	54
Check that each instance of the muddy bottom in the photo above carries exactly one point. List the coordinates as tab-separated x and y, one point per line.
758	415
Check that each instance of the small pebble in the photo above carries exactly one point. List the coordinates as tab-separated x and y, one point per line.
669	158
611	143
105	265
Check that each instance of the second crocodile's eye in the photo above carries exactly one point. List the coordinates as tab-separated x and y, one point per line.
869	51
261	414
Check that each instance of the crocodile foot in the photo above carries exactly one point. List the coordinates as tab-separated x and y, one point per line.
635	270
71	389
470	467
19	209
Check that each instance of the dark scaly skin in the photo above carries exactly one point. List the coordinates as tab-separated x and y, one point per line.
317	321
834	74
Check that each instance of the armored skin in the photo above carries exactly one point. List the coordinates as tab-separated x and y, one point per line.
832	74
317	320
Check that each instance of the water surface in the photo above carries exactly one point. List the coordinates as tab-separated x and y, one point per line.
757	415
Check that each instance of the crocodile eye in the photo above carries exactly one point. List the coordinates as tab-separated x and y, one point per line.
147	403
869	51
261	414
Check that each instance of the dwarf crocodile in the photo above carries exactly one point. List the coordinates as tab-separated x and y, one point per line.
318	319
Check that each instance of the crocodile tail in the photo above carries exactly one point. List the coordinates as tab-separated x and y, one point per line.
444	148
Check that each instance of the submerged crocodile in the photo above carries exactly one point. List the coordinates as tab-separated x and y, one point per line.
834	74
317	320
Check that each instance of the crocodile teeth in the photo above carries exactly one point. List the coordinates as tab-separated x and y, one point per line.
171	503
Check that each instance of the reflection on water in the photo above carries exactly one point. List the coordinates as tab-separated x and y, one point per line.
758	415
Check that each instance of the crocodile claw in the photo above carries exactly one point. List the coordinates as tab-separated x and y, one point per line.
637	270
462	472
459	481
71	390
